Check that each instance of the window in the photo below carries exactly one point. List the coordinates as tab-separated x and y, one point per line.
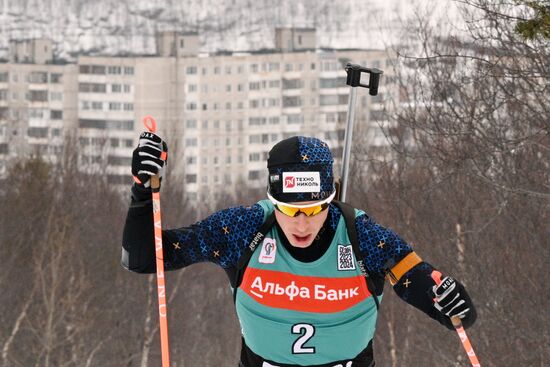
328	100
56	96
332	83
92	88
191	178
114	142
37	132
36	113
256	121
191	160
294	118
97	106
55	78
129	70
253	175
191	124
191	142
114	106
294	101
56	115
116	88
124	125
254	157
4	77
127	88
114	70
191	88
128	106
191	70
119	161
292	83
191	106
38	95
92	69
98	69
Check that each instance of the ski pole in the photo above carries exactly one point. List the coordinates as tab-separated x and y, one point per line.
354	80
151	125
436	276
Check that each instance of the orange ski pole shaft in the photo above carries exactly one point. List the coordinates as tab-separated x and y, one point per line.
151	125
457	323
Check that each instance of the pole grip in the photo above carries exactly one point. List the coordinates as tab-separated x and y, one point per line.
155	183
354	72
457	323
150	123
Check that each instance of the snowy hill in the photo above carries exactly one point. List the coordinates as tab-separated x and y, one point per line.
128	26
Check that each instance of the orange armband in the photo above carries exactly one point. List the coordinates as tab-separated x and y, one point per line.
403	266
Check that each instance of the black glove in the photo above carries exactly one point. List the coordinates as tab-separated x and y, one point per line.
148	159
451	299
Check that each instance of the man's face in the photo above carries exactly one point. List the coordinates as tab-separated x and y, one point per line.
301	230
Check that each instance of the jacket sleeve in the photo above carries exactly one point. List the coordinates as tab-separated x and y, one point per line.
386	254
220	238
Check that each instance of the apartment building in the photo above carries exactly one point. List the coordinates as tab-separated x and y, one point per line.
37	102
220	113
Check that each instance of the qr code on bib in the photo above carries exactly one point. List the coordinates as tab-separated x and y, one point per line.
345	258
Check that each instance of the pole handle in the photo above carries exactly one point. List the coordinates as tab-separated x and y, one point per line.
150	123
457	323
155	182
354	72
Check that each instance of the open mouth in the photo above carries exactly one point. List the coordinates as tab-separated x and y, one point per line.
300	240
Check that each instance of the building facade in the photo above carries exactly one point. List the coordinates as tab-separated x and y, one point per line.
37	103
220	114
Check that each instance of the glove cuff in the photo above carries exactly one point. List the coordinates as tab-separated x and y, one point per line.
140	193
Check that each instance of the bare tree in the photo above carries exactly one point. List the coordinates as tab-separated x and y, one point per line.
467	184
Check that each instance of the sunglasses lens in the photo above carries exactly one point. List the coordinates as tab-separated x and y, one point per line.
309	211
287	210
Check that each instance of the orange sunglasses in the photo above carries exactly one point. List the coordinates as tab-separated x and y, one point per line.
293	210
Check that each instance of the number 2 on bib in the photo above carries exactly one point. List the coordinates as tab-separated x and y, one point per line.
307	331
